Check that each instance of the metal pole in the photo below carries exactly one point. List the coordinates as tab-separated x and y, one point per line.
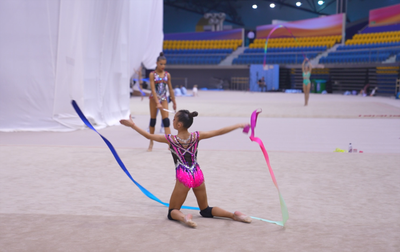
343	28
338	6
243	37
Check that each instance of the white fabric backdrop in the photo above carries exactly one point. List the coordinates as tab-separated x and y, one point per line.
53	51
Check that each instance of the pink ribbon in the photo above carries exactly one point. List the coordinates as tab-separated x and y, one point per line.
253	122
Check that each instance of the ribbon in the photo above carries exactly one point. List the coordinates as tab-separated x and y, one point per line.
121	164
285	214
169	111
141	91
266	42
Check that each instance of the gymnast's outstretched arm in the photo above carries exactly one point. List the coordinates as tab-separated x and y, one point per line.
213	133
303	65
131	124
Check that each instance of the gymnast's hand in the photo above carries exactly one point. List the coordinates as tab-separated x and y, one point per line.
243	125
128	123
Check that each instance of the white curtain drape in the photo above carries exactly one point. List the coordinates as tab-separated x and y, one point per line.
53	51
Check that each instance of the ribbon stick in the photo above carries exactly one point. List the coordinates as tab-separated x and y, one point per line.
266	42
169	111
138	85
121	164
285	214
141	91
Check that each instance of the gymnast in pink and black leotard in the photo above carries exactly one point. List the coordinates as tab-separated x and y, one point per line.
189	176
188	171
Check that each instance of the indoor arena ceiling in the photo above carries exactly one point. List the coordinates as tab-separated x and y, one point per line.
229	7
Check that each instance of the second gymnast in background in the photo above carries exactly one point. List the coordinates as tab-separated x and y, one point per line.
306	67
159	80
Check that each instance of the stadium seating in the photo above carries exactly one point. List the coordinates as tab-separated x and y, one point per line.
374	38
194	60
359	56
285	50
385	78
199	52
272	58
202	44
366	48
362	48
289	49
327	41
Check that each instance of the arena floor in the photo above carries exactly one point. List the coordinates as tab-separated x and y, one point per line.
66	192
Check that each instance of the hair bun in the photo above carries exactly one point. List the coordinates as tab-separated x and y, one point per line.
193	114
161	54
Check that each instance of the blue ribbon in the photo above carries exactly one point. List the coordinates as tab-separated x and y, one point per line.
141	91
121	164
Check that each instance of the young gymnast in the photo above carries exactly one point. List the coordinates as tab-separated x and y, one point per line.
195	91
139	74
306	67
183	147
159	79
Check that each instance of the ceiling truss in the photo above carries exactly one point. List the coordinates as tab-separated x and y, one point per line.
229	7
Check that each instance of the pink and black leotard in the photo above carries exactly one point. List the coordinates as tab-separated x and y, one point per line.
188	171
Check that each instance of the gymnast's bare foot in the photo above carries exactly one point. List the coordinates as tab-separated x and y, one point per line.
189	222
238	216
150	146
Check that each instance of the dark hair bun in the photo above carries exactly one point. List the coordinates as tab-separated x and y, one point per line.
161	54
193	114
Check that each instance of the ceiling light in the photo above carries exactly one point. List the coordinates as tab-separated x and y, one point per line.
254	6
320	2
272	5
298	4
